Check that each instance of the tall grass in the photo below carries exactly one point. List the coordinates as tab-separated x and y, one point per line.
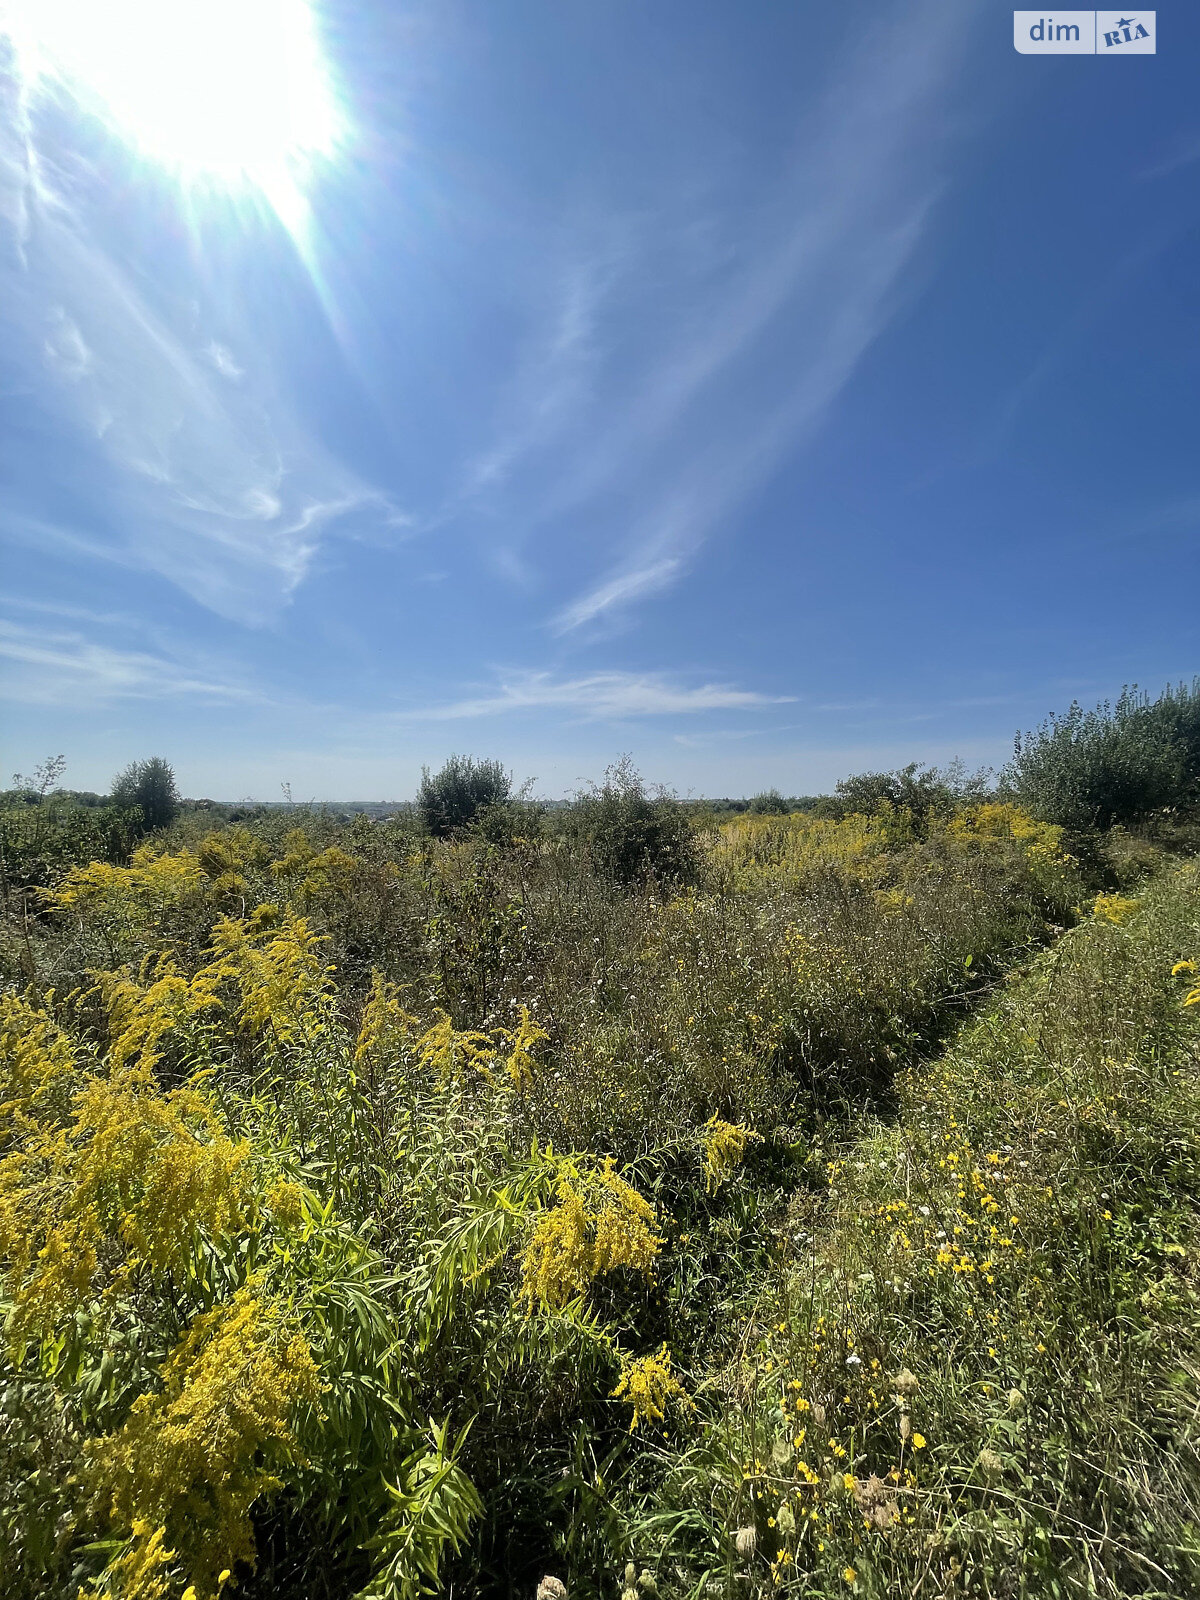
383	1214
974	1369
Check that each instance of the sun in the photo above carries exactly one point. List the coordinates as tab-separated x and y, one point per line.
233	92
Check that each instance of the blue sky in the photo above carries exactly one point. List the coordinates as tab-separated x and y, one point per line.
771	392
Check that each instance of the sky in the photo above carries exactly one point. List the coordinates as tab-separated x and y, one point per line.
769	392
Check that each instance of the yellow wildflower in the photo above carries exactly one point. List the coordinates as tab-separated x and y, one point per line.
599	1224
522	1043
285	1202
1114	908
129	1167
141	1018
448	1053
648	1384
37	1069
387	1030
192	1458
285	991
724	1147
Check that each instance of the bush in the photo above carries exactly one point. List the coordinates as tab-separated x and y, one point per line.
770	803
453	797
1090	770
632	834
148	787
42	839
924	791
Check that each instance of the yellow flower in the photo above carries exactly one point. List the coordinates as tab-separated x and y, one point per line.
285	990
130	1177
649	1385
519	1062
724	1147
387	1029
448	1053
192	1458
918	1440
285	1202
849	1574
1114	908
599	1224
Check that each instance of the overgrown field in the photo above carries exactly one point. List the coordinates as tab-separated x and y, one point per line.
381	1212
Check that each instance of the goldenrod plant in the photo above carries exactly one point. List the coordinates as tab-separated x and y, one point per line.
780	1203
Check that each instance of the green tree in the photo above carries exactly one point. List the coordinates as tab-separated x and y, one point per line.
452	797
1113	764
148	787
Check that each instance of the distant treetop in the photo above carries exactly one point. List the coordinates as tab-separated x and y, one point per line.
148	787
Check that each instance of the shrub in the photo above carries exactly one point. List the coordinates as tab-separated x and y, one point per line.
454	796
924	792
770	803
1114	764
633	834
41	839
148	787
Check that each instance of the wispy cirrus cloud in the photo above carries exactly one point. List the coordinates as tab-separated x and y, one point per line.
623	588
599	696
722	332
61	666
204	472
554	377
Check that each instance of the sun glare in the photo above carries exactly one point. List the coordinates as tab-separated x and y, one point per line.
230	91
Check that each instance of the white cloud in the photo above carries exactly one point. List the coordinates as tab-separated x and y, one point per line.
619	590
59	667
751	316
555	375
599	695
205	475
224	362
64	348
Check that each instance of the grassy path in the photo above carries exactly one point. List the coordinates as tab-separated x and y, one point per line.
984	1377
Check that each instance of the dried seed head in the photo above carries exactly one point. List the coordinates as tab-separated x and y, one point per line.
990	1465
1016	1403
746	1542
630	1574
906	1383
551	1589
870	1491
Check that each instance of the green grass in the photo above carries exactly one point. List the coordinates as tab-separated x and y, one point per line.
992	1309
935	1332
